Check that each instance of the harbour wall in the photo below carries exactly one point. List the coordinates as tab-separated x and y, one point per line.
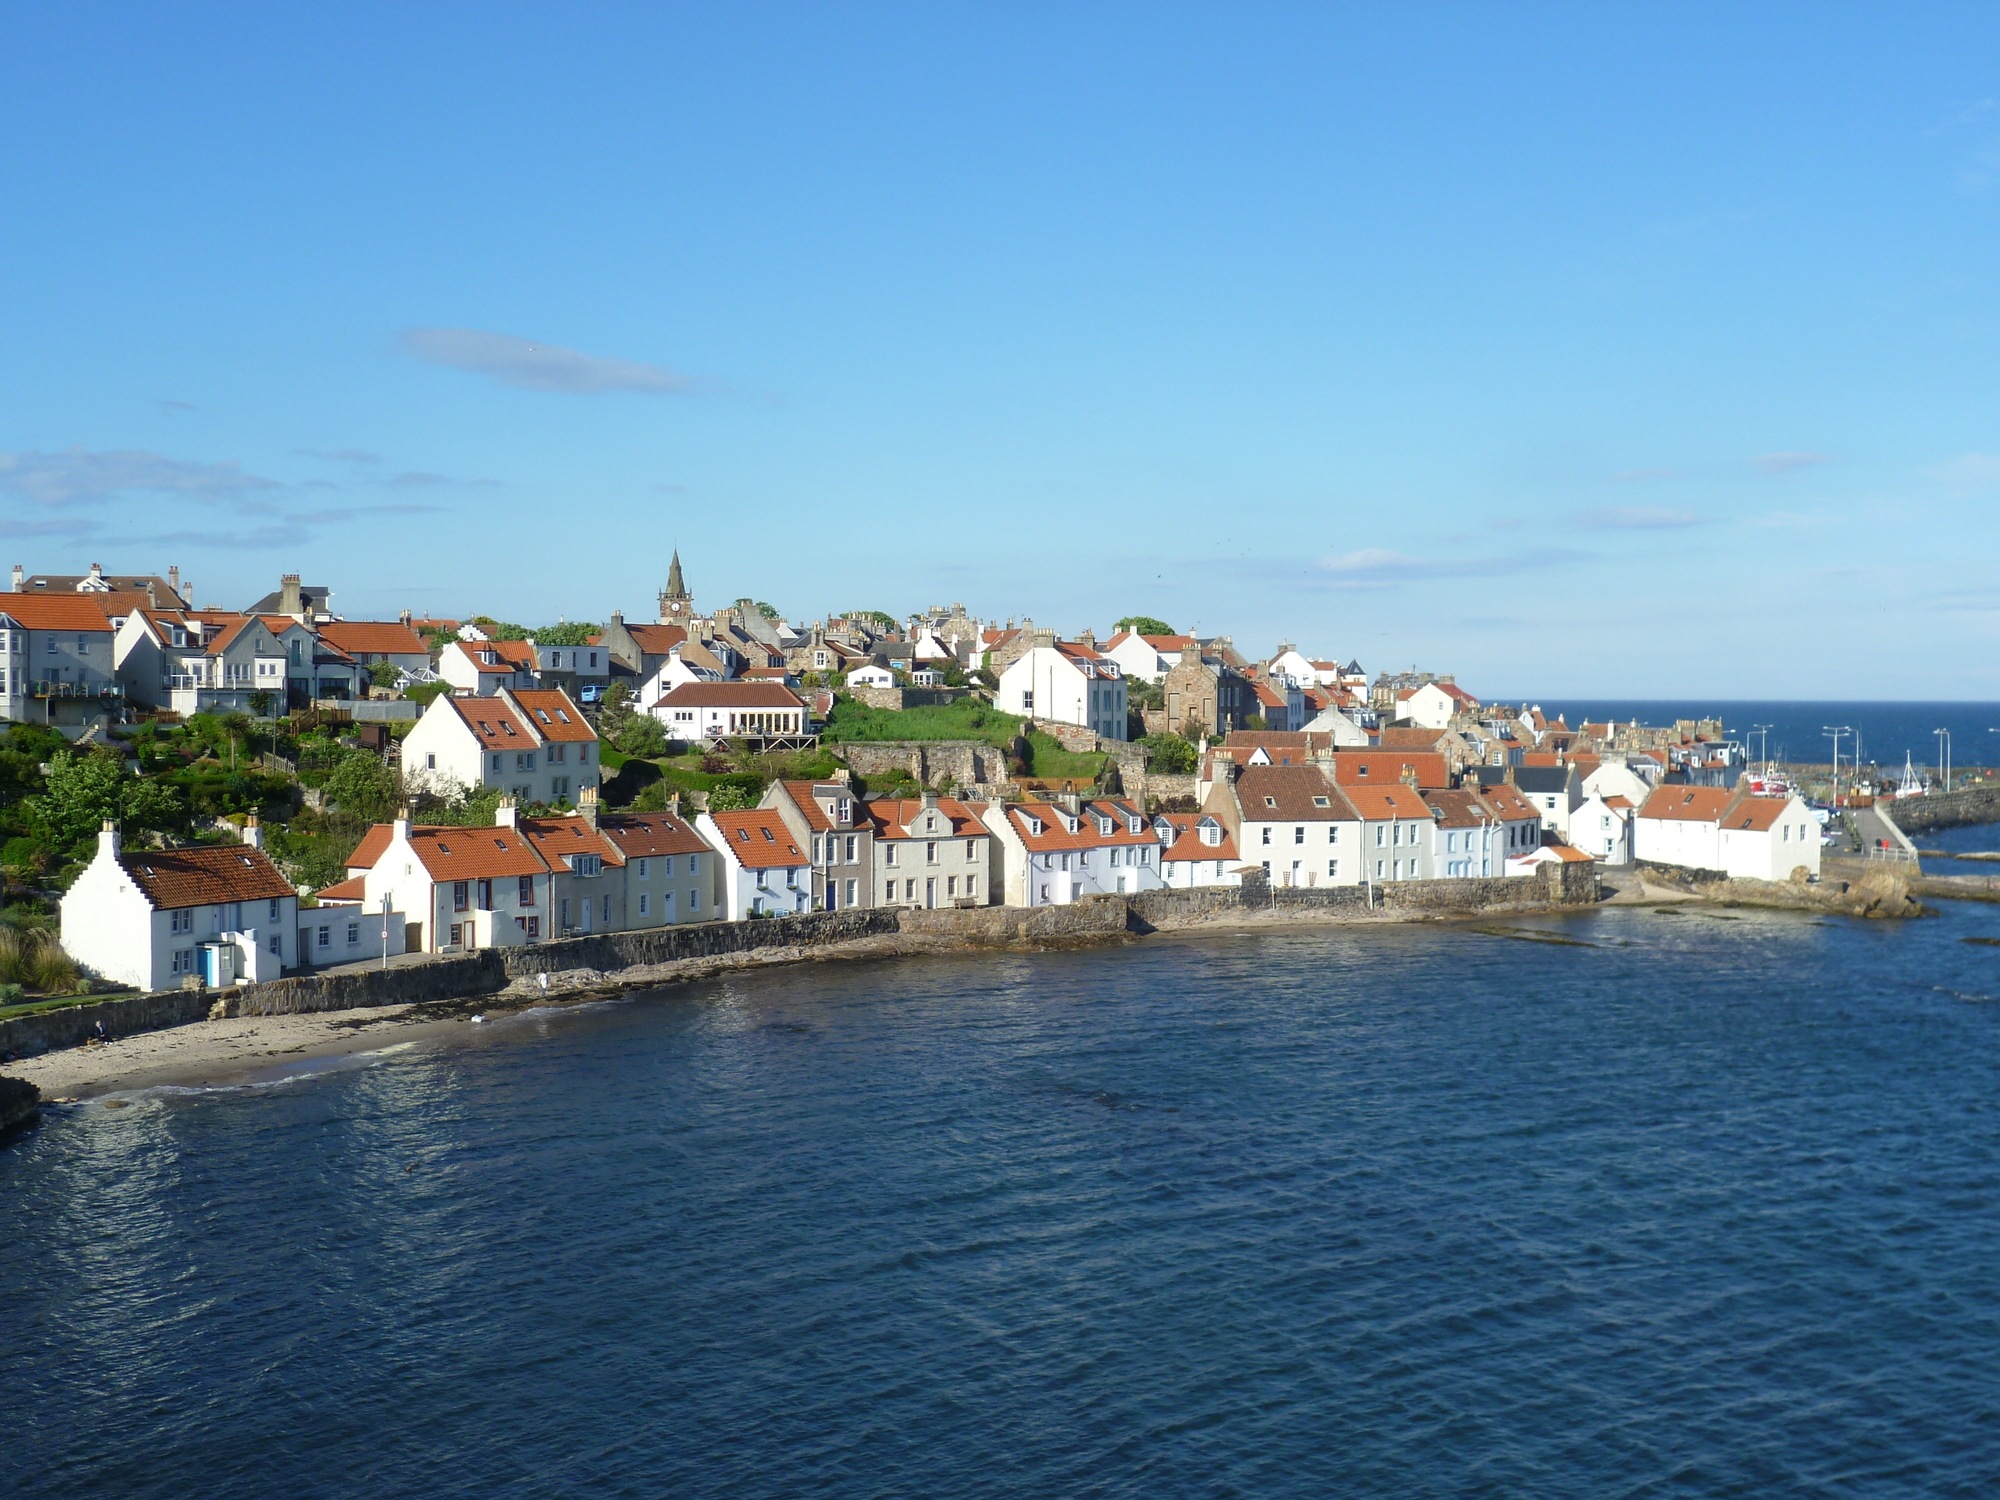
1978	804
1094	919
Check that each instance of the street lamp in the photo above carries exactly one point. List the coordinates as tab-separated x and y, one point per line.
1834	732
1945	735
1764	733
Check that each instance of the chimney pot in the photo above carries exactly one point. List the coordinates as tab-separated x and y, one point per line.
253	832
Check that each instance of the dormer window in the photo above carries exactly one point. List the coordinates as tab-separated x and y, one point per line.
1104	826
1270	801
1321	802
507	728
1211	834
1034	825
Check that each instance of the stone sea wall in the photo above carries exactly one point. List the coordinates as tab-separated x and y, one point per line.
1980	804
1094	919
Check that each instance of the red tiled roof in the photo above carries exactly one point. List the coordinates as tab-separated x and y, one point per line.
759	839
556	839
1756	814
1055	834
1687	804
1376	767
554	715
1379	803
891	817
354	888
204	876
475	853
492	723
643	835
77	612
1187	843
1509	805
374	637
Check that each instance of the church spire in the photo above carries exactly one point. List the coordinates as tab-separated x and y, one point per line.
674	585
676	608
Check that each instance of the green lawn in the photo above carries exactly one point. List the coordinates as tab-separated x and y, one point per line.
1052	762
966	719
29	1007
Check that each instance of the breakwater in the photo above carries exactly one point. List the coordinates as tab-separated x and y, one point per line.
1969	805
644	955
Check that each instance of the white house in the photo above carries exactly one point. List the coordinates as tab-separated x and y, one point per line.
1054	853
1714	828
58	663
1293	821
1432	704
458	888
764	872
764	712
201	661
931	851
1601	826
1613	778
1146	658
535	745
1341	728
1066	683
1469	839
151	918
871	676
1196	850
480	669
1554	791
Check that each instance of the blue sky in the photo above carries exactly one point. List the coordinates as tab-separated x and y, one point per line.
1579	350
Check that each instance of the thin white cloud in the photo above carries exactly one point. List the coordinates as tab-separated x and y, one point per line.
1638	476
1378	568
78	477
1785	463
538	367
1637	518
341	455
1969	474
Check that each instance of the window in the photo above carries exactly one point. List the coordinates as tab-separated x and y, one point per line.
645	903
1378	836
971	850
274	909
353	933
853	847
430	762
642	869
888	854
276	945
183	960
527	893
325	939
1267	834
930	853
1333	833
565	911
909	890
693	860
456	931
951	885
183	920
605	908
1114	859
496	762
459	893
1332	869
1299	834
853	888
486	895
534	925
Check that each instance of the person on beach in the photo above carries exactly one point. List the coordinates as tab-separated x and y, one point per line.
99	1034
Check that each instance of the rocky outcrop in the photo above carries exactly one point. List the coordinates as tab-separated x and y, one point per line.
20	1103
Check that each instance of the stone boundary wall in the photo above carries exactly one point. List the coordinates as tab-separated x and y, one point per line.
1551	886
72	1025
969	763
1094	917
896	699
1979	804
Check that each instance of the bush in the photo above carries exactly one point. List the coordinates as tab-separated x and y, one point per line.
641	735
735	793
1168	754
33	957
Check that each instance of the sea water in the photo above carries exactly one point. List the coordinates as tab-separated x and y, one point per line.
1637	1202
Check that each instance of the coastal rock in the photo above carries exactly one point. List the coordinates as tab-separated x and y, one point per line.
20	1103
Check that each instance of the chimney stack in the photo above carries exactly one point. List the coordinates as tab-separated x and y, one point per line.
586	805
506	815
97	572
404	617
174	579
253	832
107	838
401	827
928	801
20	577
674	804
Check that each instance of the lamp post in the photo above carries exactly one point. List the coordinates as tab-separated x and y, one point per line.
385	929
1763	732
1944	738
1834	732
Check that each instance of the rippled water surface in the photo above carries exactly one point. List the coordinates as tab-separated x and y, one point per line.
1693	1204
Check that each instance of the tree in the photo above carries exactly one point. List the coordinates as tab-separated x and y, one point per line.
726	796
1168	754
363	786
84	791
768	611
568	633
499	630
383	673
615	712
1144	625
641	735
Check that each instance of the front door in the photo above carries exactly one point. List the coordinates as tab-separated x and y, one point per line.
930	892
